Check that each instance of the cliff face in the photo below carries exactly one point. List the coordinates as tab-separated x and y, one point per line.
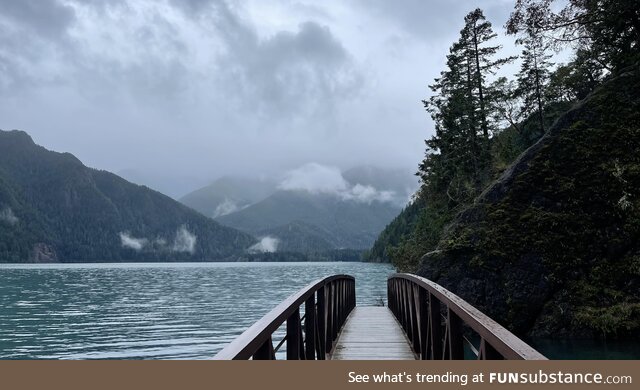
553	247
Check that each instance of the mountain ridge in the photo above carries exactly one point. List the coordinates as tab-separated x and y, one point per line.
63	211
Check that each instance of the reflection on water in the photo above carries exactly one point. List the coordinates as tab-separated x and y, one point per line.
151	311
588	349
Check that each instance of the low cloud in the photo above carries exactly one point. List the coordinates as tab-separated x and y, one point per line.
185	241
7	215
267	244
128	241
367	194
314	178
226	207
320	179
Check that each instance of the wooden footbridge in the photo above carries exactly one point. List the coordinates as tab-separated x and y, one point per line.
422	321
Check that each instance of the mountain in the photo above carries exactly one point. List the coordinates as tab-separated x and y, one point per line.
53	208
300	237
341	223
314	209
227	195
552	247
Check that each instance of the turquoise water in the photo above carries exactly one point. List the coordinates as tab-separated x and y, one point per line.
151	311
588	349
178	310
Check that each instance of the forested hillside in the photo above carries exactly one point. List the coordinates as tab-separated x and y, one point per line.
55	209
529	200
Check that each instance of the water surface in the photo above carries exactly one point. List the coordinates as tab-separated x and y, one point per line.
151	311
179	310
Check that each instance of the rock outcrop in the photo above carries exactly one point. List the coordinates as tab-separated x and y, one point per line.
552	248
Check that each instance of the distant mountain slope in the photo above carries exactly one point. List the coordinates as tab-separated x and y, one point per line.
300	237
227	195
347	223
53	208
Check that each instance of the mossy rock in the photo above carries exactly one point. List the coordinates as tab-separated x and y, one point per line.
551	248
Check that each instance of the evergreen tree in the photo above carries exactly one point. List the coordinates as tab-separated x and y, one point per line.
456	164
609	30
478	33
533	77
534	73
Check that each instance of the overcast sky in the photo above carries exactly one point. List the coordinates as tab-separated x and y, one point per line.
190	90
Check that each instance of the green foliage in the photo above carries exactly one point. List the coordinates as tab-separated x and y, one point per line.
571	213
551	247
608	30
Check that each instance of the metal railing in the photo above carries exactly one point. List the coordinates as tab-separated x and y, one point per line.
438	323
327	303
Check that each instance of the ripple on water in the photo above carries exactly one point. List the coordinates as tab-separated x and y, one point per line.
151	311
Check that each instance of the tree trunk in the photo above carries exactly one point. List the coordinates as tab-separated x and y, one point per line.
483	115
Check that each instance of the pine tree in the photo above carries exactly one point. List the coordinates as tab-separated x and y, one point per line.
534	73
479	33
533	77
609	30
456	162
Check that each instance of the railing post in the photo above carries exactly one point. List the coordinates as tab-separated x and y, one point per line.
335	322
407	309
321	321
329	328
293	334
487	352
265	352
423	301
435	335
310	327
454	330
417	314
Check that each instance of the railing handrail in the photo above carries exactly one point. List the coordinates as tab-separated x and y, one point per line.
245	345
501	339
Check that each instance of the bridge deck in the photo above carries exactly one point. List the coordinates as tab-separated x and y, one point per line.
372	333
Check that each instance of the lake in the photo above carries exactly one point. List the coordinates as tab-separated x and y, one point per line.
178	310
151	310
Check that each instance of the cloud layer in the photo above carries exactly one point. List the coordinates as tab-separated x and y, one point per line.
226	87
320	179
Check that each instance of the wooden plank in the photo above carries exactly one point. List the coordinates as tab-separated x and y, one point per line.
372	333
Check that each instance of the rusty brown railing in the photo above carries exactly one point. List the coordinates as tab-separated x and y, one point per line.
327	303
438	323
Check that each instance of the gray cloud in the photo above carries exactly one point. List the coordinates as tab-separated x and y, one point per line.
198	89
319	179
45	18
185	241
128	241
436	19
266	244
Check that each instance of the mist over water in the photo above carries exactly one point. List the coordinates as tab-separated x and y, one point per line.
151	311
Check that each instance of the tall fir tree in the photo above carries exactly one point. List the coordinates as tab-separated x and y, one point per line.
533	77
479	34
534	73
456	162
